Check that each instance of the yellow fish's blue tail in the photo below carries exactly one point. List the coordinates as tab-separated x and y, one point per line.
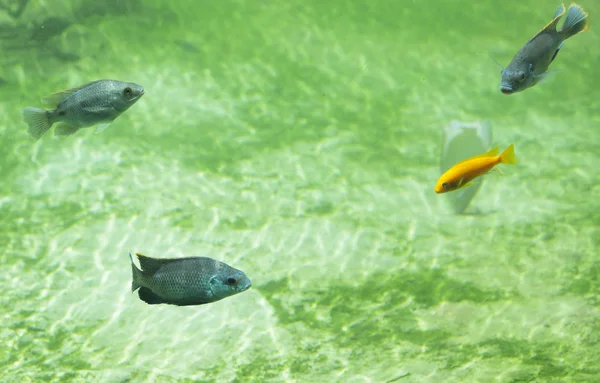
508	155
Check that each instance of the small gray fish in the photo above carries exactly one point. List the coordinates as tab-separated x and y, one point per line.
529	65
95	103
185	281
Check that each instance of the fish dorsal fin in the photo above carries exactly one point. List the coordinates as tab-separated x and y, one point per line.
490	153
54	99
559	11
551	26
151	265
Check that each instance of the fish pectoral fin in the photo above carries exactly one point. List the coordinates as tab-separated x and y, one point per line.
149	297
65	129
545	76
469	184
54	99
101	127
461	185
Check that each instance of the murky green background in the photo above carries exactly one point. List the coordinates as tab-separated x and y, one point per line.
299	141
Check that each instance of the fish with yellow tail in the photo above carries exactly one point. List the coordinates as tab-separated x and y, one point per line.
530	64
461	174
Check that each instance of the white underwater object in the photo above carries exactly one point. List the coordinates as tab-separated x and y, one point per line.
461	141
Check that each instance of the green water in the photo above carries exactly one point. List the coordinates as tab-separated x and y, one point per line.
299	141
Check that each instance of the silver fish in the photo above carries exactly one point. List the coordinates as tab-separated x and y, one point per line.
185	281
95	103
529	65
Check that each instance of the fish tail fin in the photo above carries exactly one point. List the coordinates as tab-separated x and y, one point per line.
38	121
136	275
508	155
575	22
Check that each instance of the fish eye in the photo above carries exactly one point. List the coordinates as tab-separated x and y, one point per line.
127	91
231	281
522	78
445	185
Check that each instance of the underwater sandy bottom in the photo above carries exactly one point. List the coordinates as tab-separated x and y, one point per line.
366	289
321	191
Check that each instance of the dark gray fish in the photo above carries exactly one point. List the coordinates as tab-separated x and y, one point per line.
185	281
95	103
63	56
529	65
49	28
14	9
187	46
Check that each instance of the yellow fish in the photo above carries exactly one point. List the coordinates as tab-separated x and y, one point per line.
465	171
